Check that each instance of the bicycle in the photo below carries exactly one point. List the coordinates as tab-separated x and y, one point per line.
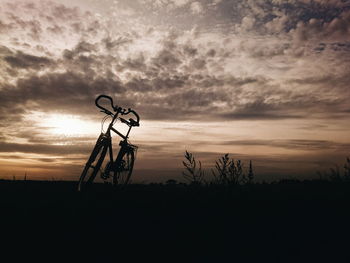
121	168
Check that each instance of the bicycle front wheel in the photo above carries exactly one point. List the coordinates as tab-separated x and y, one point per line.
93	165
124	169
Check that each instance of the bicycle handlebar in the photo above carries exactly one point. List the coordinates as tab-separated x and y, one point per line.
136	115
102	108
119	110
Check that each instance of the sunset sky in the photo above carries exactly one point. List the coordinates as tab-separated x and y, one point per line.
263	80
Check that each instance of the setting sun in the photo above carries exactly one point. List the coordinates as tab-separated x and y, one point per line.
68	125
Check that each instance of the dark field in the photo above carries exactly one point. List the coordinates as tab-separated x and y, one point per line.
284	222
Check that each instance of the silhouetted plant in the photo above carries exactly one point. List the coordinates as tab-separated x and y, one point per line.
236	175
335	174
228	172
347	169
320	175
194	173
250	173
171	182
221	167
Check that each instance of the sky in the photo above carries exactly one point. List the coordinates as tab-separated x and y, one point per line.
262	80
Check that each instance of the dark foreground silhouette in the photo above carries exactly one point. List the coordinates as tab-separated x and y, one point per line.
120	168
283	222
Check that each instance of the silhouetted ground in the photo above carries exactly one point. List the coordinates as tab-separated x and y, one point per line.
285	222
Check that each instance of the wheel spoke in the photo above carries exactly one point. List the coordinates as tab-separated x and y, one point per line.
92	168
124	169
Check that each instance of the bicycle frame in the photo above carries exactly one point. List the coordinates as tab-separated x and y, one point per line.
125	146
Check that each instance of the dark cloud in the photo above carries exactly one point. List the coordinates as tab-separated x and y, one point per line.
68	92
110	43
166	59
5	51
56	29
84	46
22	60
64	13
136	64
294	144
241	115
180	71
158	94
45	148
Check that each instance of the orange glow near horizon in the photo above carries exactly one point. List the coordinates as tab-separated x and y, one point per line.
66	125
162	144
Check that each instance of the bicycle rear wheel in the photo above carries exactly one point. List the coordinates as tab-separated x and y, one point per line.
94	163
124	169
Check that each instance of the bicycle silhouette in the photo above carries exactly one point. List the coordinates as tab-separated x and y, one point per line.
121	168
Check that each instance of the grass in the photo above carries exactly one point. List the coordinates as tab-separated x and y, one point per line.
282	220
223	220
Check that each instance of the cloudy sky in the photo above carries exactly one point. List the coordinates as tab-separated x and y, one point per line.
266	80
